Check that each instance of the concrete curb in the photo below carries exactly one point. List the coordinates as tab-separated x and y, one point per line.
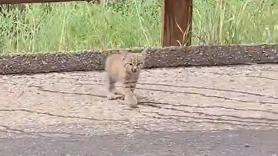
156	58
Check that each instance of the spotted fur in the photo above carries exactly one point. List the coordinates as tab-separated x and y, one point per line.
123	68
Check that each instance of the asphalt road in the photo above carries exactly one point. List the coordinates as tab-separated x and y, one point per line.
194	143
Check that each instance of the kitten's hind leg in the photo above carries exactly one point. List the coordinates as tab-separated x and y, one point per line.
112	96
112	92
119	94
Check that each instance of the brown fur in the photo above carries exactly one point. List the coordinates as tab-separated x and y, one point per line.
123	68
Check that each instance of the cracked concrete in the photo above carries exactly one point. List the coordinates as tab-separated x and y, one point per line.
177	99
203	99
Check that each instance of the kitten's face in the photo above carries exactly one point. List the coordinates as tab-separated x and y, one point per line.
133	62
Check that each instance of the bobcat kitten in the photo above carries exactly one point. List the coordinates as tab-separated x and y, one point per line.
123	68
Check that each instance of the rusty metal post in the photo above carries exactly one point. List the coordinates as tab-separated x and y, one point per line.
177	22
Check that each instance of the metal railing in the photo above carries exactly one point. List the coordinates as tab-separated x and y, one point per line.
177	19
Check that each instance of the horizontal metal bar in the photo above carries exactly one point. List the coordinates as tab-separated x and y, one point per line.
35	1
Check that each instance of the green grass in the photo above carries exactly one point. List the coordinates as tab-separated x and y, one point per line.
235	21
80	26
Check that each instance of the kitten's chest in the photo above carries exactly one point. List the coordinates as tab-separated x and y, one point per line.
131	77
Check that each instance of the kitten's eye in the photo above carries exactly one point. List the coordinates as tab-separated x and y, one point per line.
130	64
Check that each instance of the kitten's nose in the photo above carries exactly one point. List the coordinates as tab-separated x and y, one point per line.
134	69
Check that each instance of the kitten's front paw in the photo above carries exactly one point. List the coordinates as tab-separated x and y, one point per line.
134	106
115	97
132	101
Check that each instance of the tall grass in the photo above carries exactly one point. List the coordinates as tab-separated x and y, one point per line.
235	21
131	23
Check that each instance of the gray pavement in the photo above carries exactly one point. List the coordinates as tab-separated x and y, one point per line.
192	143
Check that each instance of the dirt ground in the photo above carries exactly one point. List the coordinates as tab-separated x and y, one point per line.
177	99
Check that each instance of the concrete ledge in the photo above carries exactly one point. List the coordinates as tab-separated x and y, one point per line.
156	58
212	56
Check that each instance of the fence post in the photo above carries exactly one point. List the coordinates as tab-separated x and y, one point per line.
177	22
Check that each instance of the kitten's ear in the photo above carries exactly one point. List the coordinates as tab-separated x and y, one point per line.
144	54
124	55
144	51
141	57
